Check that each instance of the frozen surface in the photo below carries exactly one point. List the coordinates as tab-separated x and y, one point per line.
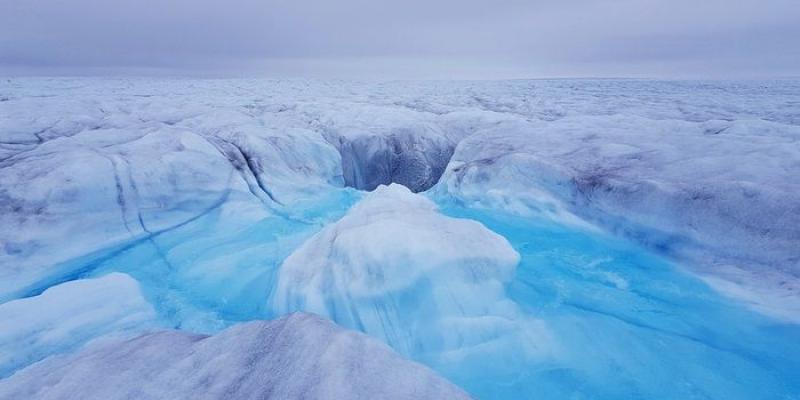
69	315
586	239
298	356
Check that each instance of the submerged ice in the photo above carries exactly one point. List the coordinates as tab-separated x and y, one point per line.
566	245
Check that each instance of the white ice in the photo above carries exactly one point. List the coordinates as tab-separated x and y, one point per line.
297	356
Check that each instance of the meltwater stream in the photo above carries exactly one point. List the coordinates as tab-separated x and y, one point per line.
629	324
605	319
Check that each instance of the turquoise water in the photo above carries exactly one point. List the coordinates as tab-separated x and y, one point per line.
623	322
208	275
632	325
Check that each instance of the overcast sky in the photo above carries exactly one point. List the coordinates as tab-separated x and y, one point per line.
402	39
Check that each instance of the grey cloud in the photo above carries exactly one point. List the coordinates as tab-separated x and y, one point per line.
413	38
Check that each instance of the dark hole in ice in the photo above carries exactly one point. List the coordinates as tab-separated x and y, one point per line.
416	162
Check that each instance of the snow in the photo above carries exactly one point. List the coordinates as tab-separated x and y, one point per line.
68	315
297	356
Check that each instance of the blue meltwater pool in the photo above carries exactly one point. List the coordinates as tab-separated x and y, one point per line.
584	315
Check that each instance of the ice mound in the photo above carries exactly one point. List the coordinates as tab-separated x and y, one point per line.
396	269
69	315
297	356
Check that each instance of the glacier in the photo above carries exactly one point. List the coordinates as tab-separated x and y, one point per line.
523	239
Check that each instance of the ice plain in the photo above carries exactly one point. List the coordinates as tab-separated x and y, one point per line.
586	238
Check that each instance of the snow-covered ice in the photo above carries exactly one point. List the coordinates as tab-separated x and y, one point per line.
297	356
574	238
68	315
